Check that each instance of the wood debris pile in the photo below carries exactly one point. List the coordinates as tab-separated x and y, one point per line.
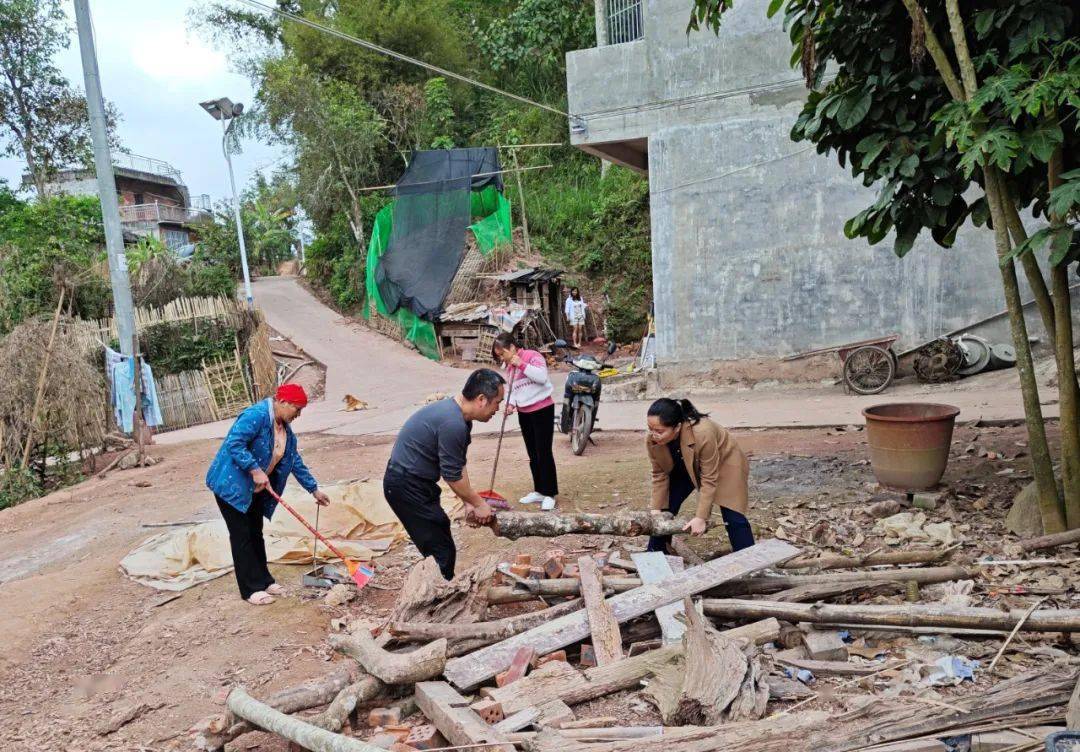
632	651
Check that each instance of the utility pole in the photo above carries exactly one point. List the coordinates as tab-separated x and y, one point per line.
110	208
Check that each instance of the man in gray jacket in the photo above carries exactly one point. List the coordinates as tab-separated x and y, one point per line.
431	445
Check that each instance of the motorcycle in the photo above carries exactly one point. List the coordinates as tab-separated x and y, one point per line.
581	397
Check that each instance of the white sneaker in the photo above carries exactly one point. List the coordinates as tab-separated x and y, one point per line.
547	504
531	498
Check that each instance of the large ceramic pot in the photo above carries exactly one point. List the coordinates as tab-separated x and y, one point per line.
909	442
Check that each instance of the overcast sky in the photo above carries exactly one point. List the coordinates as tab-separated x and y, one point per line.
156	72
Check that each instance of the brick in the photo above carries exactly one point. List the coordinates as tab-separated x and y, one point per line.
425	737
588	655
401	732
536	573
521	570
553	567
524	559
518	666
489	710
402	747
540	660
571	571
384	717
601	559
825	646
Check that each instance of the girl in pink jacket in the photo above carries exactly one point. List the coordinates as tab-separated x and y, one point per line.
530	398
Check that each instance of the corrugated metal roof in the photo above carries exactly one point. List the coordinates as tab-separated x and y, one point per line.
527	276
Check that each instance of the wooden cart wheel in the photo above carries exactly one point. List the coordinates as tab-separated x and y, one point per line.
869	369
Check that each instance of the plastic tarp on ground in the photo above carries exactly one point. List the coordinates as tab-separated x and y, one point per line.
358	521
417	243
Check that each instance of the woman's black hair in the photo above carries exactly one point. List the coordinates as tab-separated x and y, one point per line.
575	290
503	341
675	412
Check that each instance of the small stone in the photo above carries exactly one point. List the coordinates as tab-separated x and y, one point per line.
339	595
883	509
925	500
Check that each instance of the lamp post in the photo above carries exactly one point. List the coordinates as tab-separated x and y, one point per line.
226	110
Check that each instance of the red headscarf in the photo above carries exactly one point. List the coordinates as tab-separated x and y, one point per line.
292	393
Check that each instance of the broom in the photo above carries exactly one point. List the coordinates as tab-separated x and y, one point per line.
360	574
493	497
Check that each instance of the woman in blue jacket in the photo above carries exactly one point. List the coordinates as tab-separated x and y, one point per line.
258	452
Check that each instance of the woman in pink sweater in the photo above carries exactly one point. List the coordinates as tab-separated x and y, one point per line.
530	397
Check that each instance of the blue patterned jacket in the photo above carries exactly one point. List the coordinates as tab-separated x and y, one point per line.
250	444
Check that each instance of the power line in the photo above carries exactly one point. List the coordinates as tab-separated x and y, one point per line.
722	175
399	56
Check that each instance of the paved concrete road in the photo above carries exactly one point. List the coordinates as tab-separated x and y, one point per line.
395	380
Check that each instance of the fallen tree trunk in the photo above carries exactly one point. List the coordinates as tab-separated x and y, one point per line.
418	665
214	733
496	630
776	583
836	561
295	730
514	525
1046	542
1049	620
569	586
344	705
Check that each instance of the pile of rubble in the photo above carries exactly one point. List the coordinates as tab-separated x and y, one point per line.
623	650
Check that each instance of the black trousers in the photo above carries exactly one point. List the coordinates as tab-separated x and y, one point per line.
538	429
738	527
248	547
415	501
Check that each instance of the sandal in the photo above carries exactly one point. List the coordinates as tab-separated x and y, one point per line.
275	589
260	598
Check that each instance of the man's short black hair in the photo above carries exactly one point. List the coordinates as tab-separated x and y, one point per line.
482	381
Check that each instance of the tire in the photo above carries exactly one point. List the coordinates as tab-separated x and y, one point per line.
869	370
565	418
579	433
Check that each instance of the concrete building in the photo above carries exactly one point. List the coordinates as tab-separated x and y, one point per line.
153	198
749	255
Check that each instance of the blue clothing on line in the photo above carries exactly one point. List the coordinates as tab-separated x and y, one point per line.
250	444
121	373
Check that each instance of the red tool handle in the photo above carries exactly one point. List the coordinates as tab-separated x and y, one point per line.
304	522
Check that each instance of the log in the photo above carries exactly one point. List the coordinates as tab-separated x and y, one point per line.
427	597
393	668
470	670
699	689
346	702
830	668
566	586
1046	542
212	734
606	734
913	615
295	730
836	561
560	681
606	638
493	631
776	583
452	716
682	548
811	593
842	581
514	525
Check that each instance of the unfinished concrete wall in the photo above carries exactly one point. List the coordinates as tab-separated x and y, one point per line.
749	255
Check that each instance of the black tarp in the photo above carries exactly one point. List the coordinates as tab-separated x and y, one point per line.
431	214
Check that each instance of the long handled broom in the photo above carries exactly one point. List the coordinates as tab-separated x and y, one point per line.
493	497
360	574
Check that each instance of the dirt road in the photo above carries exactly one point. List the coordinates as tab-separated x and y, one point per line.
394	380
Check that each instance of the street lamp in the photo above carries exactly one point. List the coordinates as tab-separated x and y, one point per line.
225	109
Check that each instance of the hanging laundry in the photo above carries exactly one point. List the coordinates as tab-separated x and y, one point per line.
121	372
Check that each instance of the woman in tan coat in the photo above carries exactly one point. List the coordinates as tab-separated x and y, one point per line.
691	452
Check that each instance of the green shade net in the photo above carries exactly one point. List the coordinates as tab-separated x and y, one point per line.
491	230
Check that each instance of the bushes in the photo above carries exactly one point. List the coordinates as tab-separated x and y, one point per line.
183	346
18	484
336	262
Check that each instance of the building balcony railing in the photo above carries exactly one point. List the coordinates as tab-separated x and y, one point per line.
624	20
180	215
147	164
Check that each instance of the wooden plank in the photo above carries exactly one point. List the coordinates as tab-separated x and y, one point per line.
520	720
560	681
470	670
830	668
606	638
654	567
452	716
